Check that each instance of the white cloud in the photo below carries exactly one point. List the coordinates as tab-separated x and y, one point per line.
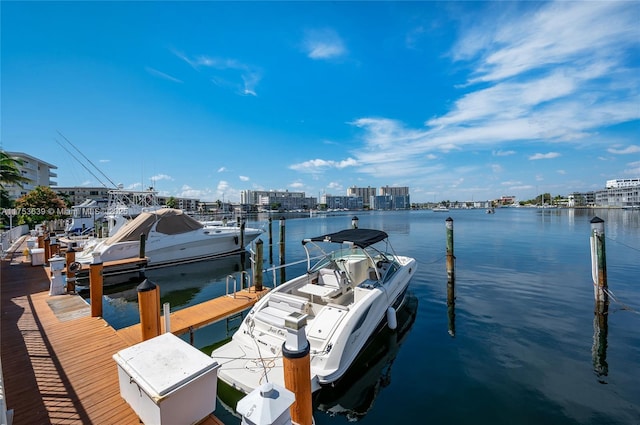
549	155
320	165
323	44
297	185
629	149
103	161
244	178
533	79
222	169
503	153
162	75
159	177
232	73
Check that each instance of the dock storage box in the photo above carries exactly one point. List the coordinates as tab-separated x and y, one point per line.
37	256
167	381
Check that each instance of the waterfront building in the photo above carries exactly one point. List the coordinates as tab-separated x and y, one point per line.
280	200
622	183
363	192
392	198
39	173
342	202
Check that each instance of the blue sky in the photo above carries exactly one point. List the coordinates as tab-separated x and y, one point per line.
457	100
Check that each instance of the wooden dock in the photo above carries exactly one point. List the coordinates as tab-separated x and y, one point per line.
57	361
199	315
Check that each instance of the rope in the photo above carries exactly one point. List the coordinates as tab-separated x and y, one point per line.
623	244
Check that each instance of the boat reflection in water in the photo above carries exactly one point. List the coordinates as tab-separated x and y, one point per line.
181	286
354	395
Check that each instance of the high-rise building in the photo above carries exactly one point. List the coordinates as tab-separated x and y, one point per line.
39	173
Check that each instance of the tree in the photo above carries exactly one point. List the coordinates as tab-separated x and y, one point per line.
171	202
39	205
9	171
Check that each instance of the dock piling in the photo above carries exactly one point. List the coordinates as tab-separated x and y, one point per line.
598	261
270	240
282	250
258	265
70	257
47	249
95	287
143	248
296	361
148	295
450	256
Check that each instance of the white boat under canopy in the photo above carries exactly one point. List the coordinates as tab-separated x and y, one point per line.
347	295
171	236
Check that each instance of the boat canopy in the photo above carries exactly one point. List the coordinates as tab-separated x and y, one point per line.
359	237
170	222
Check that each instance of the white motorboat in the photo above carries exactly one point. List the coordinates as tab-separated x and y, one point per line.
347	295
440	208
171	237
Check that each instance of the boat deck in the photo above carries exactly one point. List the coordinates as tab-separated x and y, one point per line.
56	360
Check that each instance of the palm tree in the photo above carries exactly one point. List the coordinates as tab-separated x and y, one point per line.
9	171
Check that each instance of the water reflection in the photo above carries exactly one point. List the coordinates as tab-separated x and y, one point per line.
354	395
181	286
599	348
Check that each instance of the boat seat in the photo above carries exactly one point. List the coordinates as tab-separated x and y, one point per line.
279	306
335	280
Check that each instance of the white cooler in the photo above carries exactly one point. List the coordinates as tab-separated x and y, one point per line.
167	381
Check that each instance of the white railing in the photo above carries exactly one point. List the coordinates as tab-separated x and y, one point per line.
8	237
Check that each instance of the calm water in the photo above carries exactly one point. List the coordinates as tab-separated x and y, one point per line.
518	347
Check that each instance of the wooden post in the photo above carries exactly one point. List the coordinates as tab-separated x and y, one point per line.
242	226
95	287
149	309
258	265
282	250
270	240
54	248
599	348
598	261
296	362
450	257
70	257
143	245
451	308
40	241
47	249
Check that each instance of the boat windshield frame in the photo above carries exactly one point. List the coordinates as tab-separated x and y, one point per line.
328	249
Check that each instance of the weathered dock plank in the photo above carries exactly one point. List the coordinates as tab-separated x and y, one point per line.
57	369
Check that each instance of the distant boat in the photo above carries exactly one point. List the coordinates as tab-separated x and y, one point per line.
171	236
440	208
491	210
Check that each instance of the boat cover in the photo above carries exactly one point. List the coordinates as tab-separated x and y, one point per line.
170	222
359	237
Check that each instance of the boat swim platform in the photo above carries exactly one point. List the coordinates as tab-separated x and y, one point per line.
57	369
